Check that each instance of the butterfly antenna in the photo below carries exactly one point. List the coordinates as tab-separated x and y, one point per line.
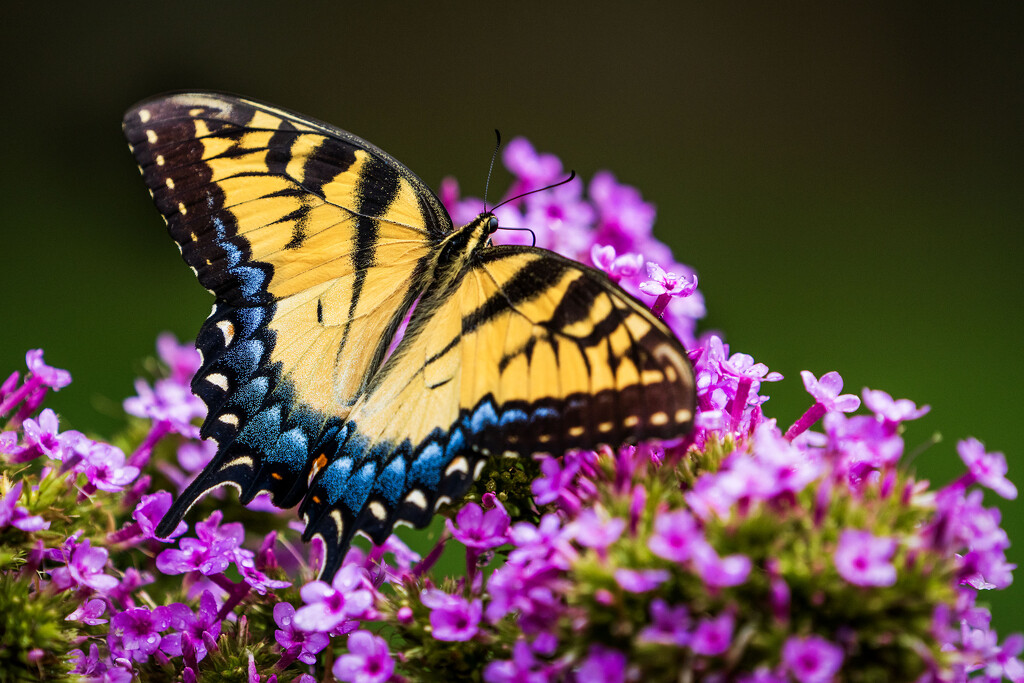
533	235
572	174
490	169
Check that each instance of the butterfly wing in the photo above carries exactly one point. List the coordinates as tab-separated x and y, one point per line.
528	352
315	244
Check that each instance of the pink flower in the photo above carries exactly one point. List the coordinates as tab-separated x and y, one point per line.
864	559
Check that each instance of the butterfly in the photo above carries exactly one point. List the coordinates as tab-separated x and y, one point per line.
316	246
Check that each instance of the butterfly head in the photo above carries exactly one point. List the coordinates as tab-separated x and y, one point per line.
459	245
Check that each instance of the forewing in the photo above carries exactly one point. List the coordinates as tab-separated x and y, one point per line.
314	243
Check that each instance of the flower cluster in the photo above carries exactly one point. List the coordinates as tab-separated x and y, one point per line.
749	552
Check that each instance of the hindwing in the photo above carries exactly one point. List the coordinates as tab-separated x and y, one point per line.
529	352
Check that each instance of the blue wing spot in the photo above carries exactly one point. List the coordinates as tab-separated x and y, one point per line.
545	413
513	416
243	358
263	431
456	443
426	468
334	478
391	482
250	279
292	449
251	395
358	488
248	320
483	417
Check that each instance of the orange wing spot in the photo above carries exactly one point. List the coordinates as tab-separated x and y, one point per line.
316	499
320	461
277	476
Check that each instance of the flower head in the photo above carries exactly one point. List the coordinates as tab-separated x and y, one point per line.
452	618
347	597
368	660
812	659
478	528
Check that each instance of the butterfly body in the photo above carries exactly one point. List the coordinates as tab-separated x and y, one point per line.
317	245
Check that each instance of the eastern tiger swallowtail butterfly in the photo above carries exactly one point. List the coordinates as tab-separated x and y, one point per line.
316	245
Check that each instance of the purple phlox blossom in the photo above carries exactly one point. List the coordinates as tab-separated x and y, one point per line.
104	466
891	411
719	383
211	552
169	403
452	617
296	643
556	482
549	540
667	286
532	170
43	437
788	468
368	660
812	659
12	514
150	510
748	375
669	625
713	635
594	528
524	667
825	392
55	378
534	589
135	633
864	559
640	580
479	529
183	360
95	669
862	444
84	568
988	469
716	571
131	581
245	561
404	556
616	266
1003	662
193	456
602	665
675	535
976	528
89	665
201	626
625	220
777	468
89	612
349	596
663	283
40	377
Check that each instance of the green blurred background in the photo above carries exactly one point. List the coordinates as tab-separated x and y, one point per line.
846	180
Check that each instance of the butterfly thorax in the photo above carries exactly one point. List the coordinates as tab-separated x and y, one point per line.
457	249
